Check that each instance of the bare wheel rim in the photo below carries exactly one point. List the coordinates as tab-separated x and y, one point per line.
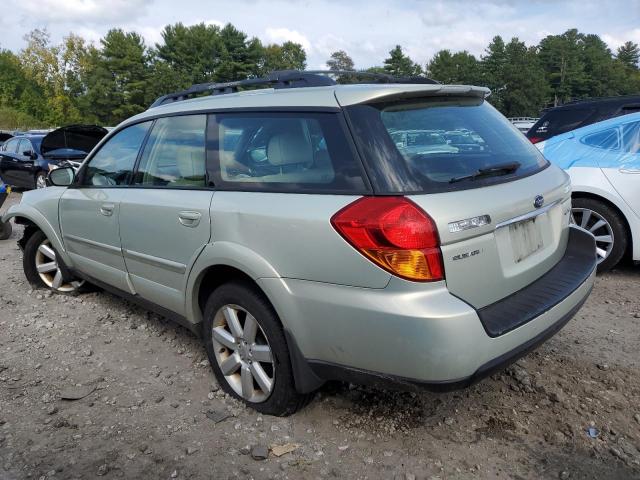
243	353
41	181
596	224
49	270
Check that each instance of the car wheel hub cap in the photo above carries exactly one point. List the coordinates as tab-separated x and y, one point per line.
595	224
243	353
41	182
49	270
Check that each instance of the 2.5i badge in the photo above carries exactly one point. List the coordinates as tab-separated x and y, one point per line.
462	256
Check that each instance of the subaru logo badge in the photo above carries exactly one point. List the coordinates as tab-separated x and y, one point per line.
539	201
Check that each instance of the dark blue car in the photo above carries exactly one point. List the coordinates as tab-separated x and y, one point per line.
25	160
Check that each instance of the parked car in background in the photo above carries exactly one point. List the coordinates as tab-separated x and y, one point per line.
414	142
603	160
305	241
523	124
4	136
25	160
464	141
581	113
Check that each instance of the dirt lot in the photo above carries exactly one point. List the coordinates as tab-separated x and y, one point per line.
152	406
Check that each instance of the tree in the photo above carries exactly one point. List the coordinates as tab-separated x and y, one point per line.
194	53
240	57
288	56
563	60
400	65
340	60
460	67
117	80
629	54
525	88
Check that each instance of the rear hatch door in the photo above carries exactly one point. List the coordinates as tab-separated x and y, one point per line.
501	209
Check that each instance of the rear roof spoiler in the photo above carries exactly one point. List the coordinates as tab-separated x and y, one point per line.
383	93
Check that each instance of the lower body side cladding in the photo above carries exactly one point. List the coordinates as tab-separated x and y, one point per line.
407	333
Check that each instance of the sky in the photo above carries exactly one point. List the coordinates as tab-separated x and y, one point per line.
365	29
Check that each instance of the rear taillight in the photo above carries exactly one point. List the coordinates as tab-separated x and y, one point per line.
535	139
395	234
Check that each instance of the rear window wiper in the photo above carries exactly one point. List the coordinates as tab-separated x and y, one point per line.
501	169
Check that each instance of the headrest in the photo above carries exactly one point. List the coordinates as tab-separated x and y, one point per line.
290	149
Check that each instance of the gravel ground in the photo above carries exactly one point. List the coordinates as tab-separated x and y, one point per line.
151	408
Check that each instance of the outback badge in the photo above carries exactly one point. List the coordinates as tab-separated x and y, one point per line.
539	201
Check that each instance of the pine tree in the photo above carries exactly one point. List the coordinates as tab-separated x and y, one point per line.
400	65
629	55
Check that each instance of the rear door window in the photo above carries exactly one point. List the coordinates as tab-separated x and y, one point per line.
432	144
283	152
631	138
606	139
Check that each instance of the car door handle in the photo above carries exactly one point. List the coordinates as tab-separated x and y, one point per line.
629	170
106	209
189	219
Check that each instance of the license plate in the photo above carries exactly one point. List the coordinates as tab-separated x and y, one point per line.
525	239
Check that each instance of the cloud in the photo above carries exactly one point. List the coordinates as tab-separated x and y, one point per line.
614	40
85	11
280	35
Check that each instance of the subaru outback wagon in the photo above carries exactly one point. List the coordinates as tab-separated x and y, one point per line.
286	227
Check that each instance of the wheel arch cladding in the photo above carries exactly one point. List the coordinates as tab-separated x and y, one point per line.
215	276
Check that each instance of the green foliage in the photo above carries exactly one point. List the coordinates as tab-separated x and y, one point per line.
400	65
55	84
459	67
288	56
340	60
629	55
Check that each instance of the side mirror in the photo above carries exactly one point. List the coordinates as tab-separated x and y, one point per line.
62	177
30	154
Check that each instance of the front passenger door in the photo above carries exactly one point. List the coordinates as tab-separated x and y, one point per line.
89	211
9	160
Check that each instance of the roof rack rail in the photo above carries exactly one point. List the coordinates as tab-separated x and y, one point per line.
284	79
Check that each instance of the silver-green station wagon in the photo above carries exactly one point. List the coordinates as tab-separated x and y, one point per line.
394	234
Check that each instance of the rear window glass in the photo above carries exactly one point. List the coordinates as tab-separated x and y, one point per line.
282	152
434	143
560	121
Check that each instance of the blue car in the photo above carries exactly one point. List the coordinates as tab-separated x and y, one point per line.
603	160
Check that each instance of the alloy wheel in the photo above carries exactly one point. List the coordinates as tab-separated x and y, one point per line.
49	270
41	181
243	353
596	224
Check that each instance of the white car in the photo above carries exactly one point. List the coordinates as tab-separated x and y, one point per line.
603	160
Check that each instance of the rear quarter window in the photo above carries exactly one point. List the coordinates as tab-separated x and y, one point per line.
426	145
281	151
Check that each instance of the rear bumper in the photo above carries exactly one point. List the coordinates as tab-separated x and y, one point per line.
415	335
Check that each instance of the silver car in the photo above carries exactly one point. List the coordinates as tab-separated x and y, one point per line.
284	226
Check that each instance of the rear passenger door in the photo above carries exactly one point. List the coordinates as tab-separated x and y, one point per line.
622	166
164	214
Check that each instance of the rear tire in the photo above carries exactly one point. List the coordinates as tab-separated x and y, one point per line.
239	304
589	213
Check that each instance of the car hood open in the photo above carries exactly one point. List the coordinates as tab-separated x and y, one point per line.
72	142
